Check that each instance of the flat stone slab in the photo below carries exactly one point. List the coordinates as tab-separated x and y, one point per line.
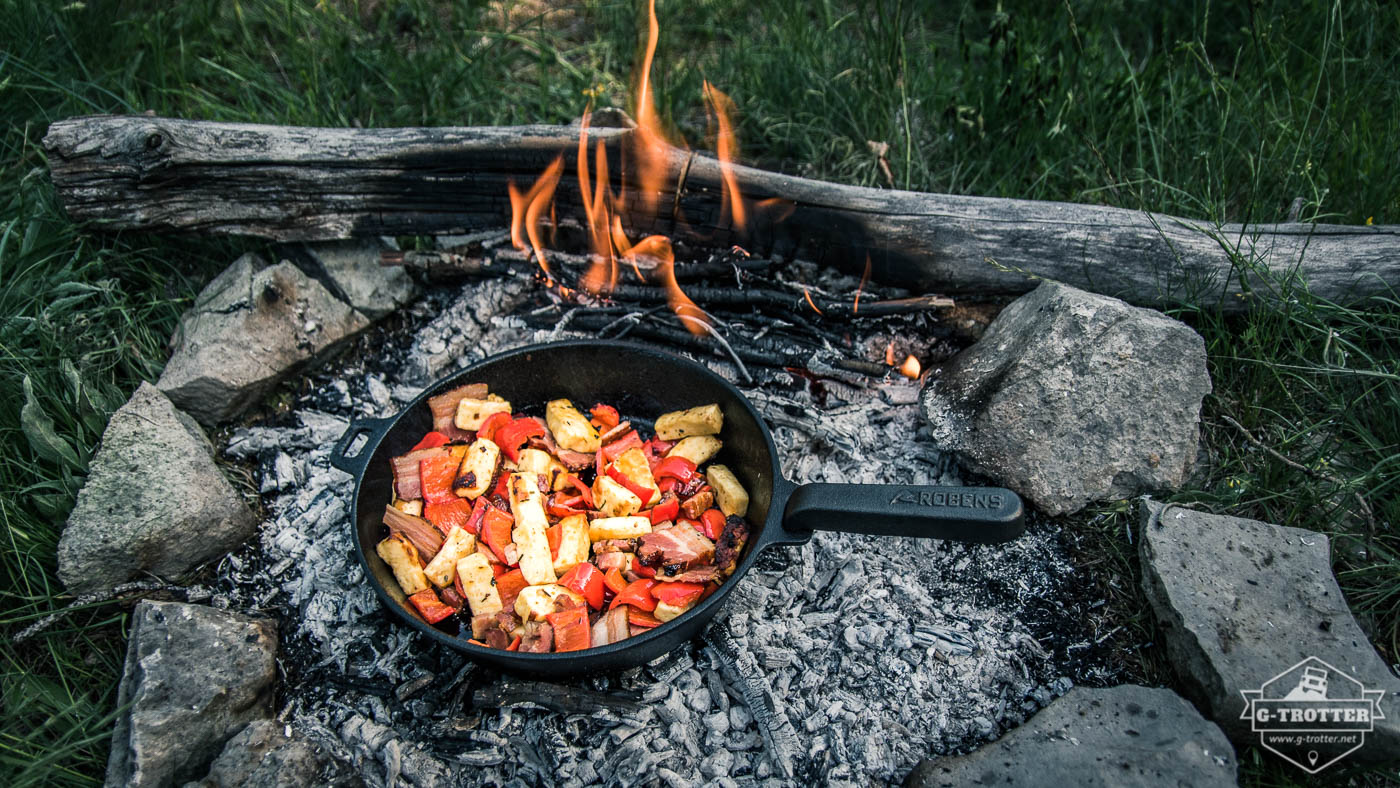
353	267
1070	398
250	328
1122	737
154	501
1242	601
194	677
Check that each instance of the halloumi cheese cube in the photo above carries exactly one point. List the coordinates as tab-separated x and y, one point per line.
402	557
479	583
613	499
618	528
541	462
699	449
478	469
701	420
730	495
443	568
569	427
527	504
573	543
536	602
472	412
633	464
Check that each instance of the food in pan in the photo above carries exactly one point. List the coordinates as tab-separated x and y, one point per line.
565	532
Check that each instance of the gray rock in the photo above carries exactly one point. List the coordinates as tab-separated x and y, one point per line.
1123	736
250	328
354	271
154	502
1072	397
1241	601
194	678
265	755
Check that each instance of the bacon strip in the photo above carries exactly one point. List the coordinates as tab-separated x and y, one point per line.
444	408
424	537
699	574
573	460
677	548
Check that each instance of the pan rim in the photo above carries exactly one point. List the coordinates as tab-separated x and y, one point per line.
701	613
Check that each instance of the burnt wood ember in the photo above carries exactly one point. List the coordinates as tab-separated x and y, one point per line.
844	661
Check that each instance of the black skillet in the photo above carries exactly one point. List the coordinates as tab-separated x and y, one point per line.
643	383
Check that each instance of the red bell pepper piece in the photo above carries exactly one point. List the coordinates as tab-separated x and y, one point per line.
497	569
696	524
493	422
587	581
513	436
615	449
710	588
712	523
449	513
642	618
641	492
563	507
437	474
637	594
667	484
478	514
476	642
502	488
571	630
678	594
640	570
509	586
676	467
667	509
431	441
585	492
429	606
514	644
614	580
495	531
555	535
605	417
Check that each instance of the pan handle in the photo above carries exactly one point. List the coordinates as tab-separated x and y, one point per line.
354	464
967	514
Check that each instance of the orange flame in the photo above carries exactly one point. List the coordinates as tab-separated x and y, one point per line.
865	277
807	295
910	368
889	354
727	148
651	145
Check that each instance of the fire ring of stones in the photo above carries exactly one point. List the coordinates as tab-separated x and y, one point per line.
845	661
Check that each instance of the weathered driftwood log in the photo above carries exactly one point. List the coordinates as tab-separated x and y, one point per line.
290	183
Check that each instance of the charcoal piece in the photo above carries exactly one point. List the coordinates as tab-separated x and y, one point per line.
742	670
555	697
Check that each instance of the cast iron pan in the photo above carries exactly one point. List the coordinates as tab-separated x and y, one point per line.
643	383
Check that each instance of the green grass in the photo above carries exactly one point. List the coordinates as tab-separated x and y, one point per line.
1218	111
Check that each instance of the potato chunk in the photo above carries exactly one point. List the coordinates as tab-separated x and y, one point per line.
472	412
618	528
569	427
613	499
478	469
633	464
541	462
480	584
527	504
402	557
729	493
413	507
702	420
699	449
443	568
536	602
573	543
